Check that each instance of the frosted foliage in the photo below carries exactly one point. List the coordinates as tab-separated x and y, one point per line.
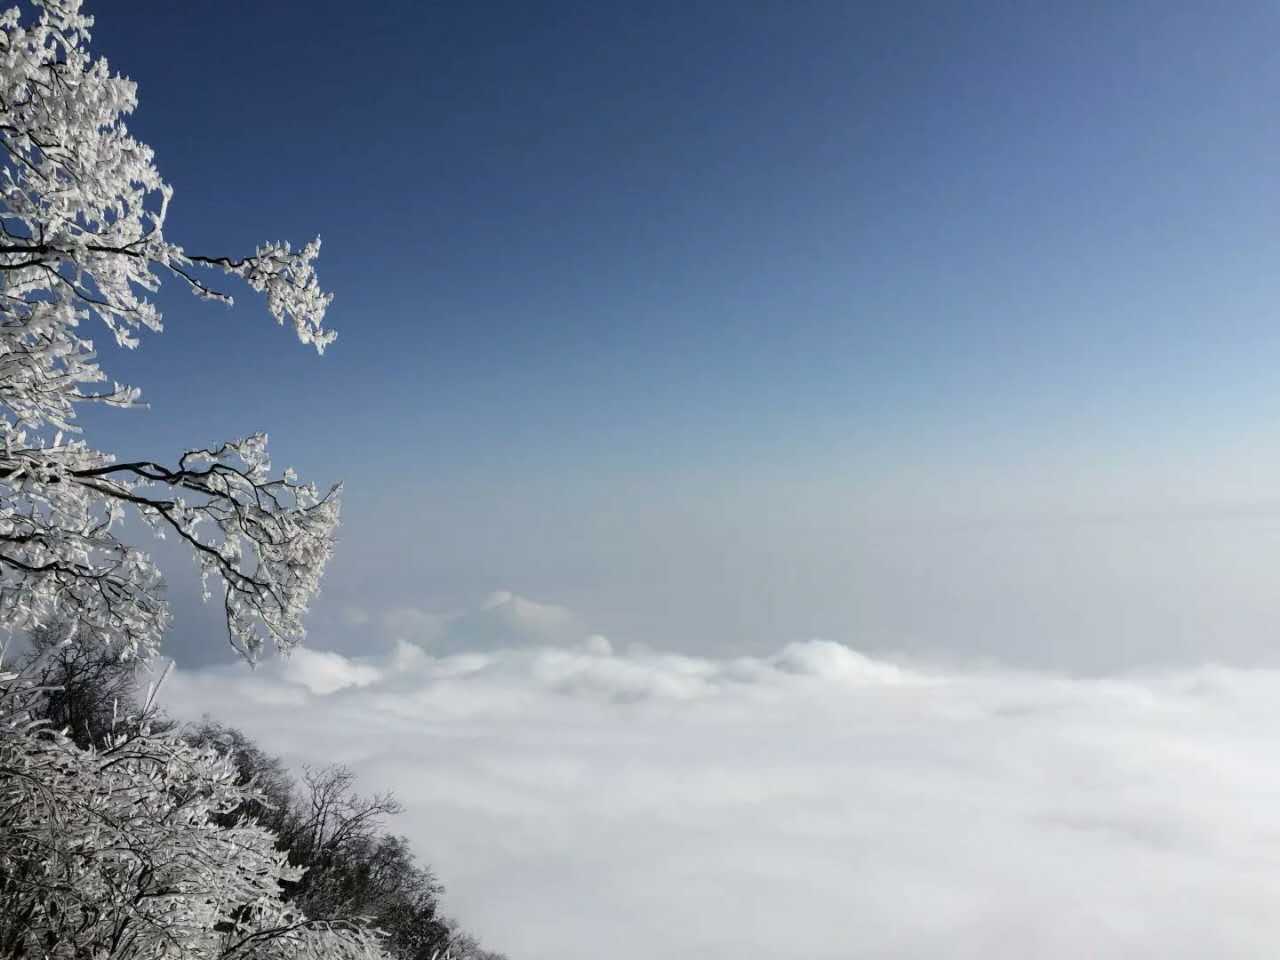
120	853
82	210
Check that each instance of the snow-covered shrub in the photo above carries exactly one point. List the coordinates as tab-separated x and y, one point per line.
120	853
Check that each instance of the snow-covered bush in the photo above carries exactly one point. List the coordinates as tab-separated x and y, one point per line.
120	853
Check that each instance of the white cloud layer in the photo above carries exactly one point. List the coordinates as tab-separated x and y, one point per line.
582	803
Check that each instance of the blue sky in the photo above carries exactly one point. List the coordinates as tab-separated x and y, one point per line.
932	328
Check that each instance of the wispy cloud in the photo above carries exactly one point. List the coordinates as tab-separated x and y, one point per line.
503	619
586	802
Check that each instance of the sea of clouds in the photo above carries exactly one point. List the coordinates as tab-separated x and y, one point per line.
582	801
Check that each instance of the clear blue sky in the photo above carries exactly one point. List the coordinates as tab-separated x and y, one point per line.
940	327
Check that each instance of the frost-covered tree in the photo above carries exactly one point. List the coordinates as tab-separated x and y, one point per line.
138	841
85	688
353	866
126	852
82	244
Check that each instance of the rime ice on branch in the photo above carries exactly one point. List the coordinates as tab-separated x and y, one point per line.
82	210
119	853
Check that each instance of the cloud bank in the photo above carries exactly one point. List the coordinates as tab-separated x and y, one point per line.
583	802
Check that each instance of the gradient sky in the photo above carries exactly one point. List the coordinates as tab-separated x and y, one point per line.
932	329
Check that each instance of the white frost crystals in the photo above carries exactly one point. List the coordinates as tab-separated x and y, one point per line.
82	210
137	850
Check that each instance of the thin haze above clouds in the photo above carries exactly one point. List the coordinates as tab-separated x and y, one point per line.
814	802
